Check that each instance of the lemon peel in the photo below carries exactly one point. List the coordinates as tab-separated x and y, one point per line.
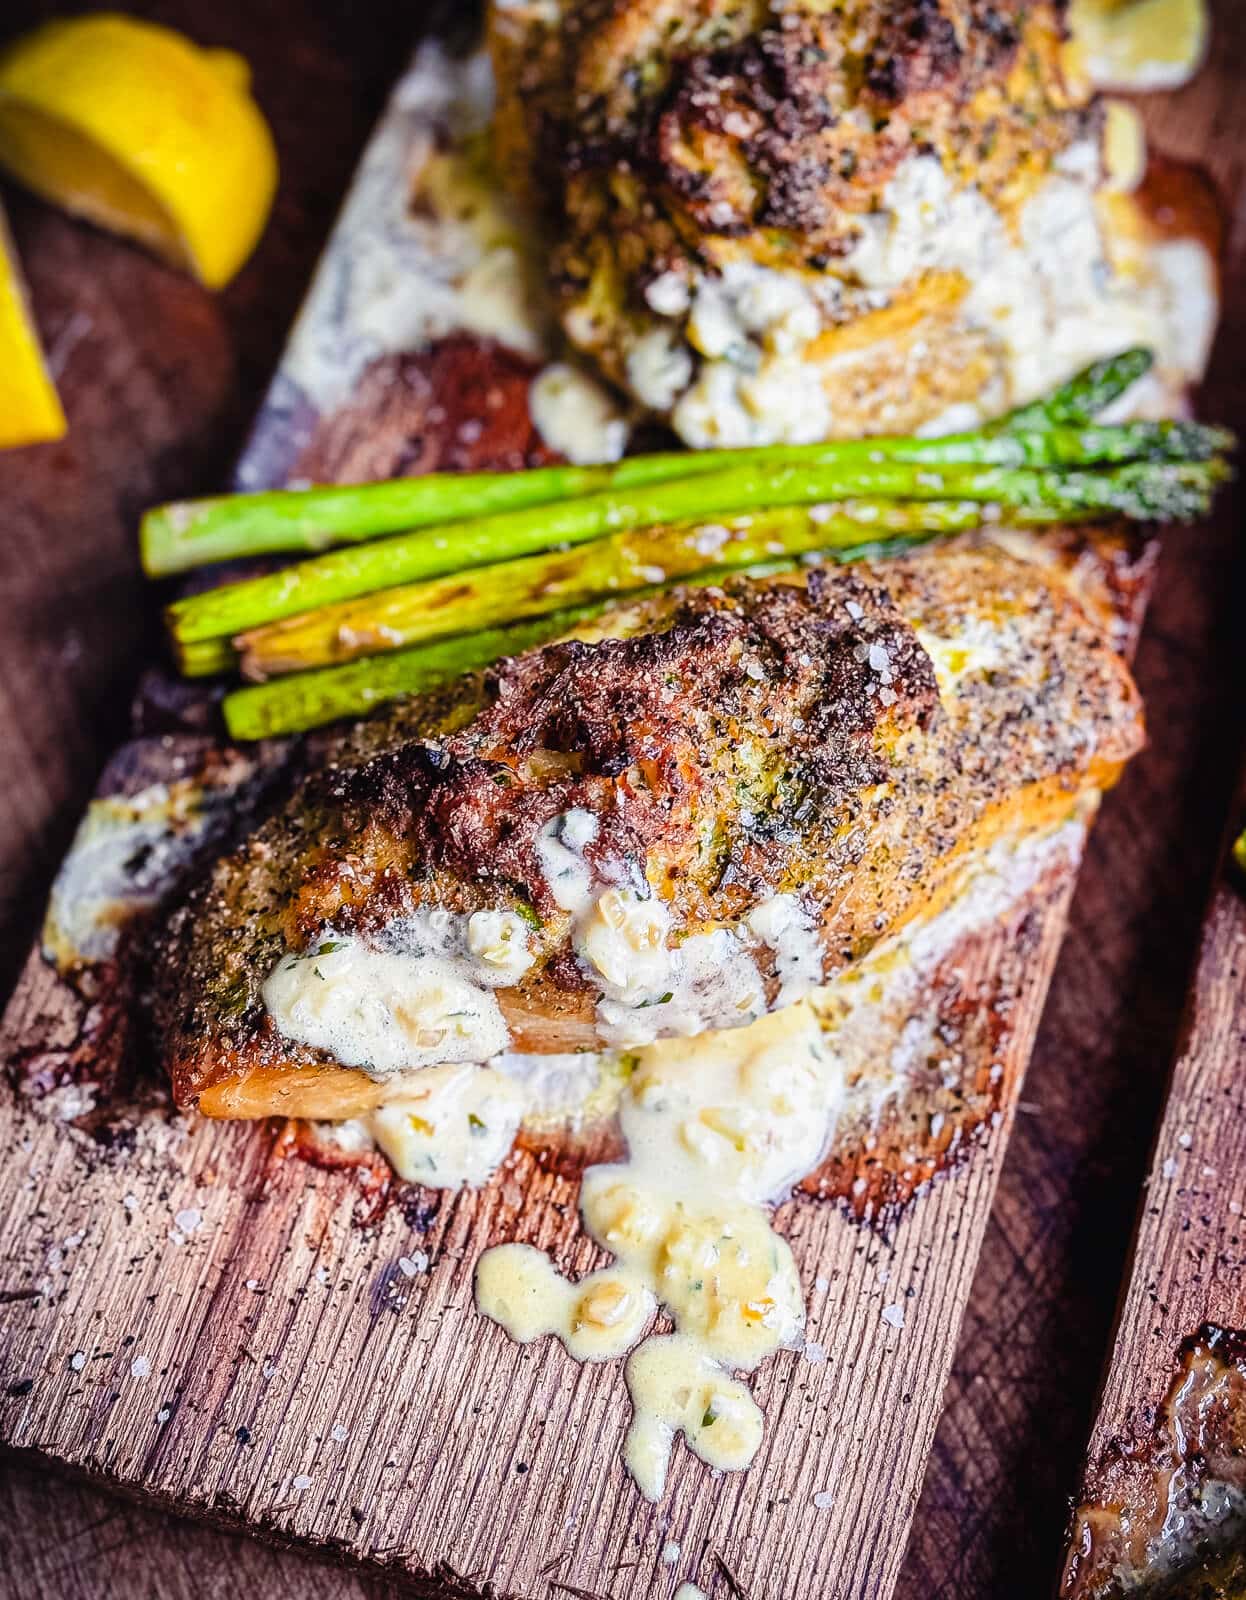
30	409
133	127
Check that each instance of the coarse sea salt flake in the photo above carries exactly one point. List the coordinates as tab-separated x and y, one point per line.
77	1361
140	1367
301	1482
188	1221
893	1316
411	1266
824	1499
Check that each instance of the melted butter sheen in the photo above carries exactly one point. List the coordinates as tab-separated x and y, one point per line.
597	1319
715	1128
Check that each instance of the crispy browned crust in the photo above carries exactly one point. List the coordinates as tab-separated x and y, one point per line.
660	134
736	743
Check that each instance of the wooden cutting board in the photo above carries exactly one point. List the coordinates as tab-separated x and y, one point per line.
397	1439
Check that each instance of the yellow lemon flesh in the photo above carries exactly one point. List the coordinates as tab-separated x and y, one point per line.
1137	44
30	410
133	127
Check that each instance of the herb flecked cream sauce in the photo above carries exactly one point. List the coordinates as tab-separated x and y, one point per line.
715	1127
718	1128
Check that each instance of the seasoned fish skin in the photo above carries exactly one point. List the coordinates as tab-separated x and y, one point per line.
847	740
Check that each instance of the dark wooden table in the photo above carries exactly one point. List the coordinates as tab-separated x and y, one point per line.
160	380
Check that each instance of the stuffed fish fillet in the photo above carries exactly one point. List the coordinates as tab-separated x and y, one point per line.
782	220
691	814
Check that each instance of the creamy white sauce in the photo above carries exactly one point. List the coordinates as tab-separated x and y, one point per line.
597	1319
127	854
384	1012
658	368
1051	299
730	356
430	243
560	850
650	986
711	980
783	923
576	1088
714	1128
576	416
498	940
453	1130
420	996
391	278
717	1129
623	942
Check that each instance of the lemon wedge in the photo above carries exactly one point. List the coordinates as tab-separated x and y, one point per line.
140	131
30	410
1137	44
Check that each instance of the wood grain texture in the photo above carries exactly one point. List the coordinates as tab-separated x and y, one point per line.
1187	1273
65	1538
211	1327
1147	859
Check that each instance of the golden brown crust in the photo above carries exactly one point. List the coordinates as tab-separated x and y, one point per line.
737	743
677	134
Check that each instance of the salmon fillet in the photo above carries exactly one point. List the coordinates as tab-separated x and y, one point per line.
787	220
692	813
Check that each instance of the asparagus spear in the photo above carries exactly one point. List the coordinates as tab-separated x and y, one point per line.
307	699
1144	490
618	564
185	534
194	533
204	658
1084	396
